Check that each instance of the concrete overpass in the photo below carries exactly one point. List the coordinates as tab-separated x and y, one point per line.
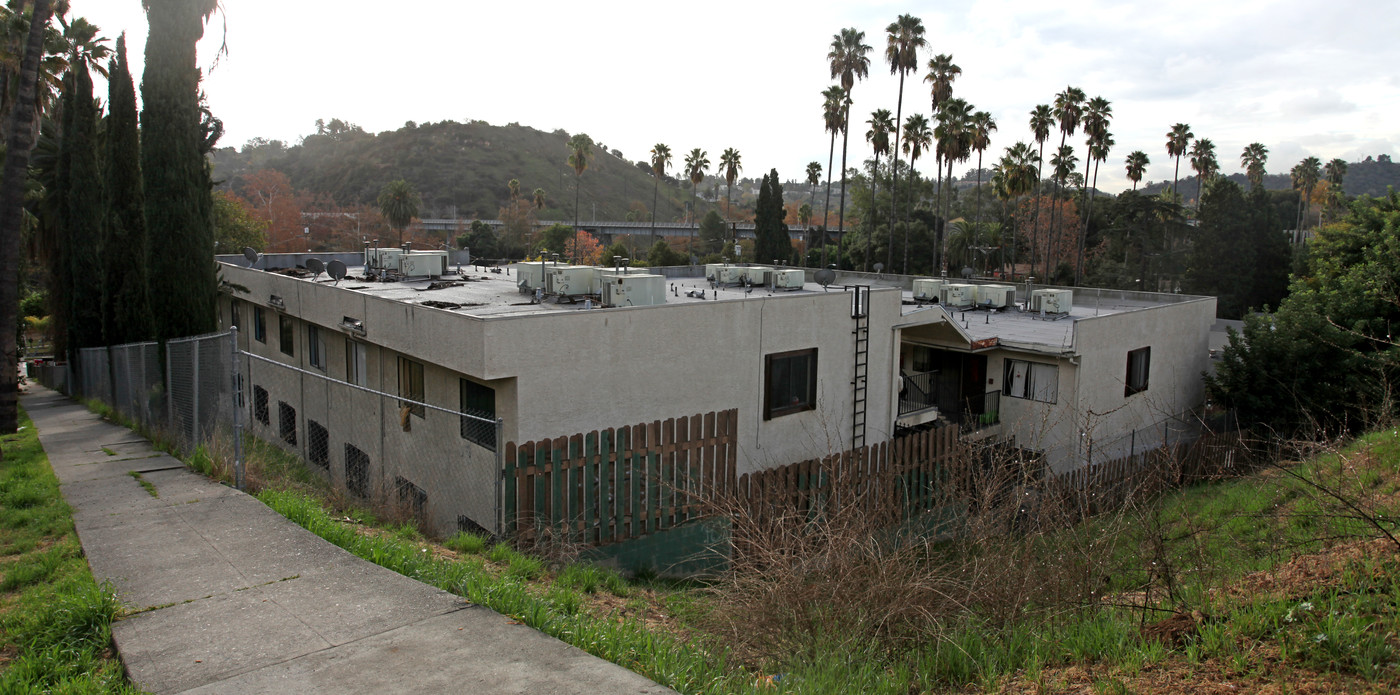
607	230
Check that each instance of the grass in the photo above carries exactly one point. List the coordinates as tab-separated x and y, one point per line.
55	619
148	485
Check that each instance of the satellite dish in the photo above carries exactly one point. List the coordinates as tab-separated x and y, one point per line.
879	267
824	277
250	254
968	272
315	266
336	269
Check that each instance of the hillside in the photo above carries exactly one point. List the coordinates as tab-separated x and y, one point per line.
461	165
1370	176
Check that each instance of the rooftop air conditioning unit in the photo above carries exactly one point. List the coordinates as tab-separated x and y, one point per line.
620	289
382	258
996	296
572	280
788	278
730	275
758	274
423	263
928	289
958	295
1052	301
712	271
531	274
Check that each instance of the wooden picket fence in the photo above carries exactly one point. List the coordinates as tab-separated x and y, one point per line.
612	485
889	480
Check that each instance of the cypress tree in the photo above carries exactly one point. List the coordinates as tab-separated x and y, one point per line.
179	202
770	234
126	302
82	228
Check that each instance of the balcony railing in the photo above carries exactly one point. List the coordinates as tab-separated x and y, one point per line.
918	392
936	390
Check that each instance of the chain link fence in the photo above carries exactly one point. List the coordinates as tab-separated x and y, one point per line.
407	456
1136	444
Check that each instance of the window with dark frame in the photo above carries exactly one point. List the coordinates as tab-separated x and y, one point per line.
260	405
259	325
318	444
480	401
1034	381
1139	368
287	335
287	422
354	362
356	471
315	349
411	385
789	383
233	312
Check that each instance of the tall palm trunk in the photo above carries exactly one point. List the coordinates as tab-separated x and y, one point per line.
1035	221
16	172
826	211
937	209
874	181
894	177
910	196
841	215
1088	212
978	205
655	189
1176	174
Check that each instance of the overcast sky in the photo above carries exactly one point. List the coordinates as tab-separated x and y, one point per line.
1304	78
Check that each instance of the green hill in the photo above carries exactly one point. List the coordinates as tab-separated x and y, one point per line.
459	165
1370	176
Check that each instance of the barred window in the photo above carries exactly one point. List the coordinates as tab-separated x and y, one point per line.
287	422
356	471
260	405
318	445
412	497
479	401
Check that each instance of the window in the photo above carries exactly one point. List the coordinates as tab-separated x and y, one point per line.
790	383
233	311
260	405
286	336
1139	365
315	349
411	385
259	325
356	470
1032	380
411	497
354	362
480	401
287	422
318	448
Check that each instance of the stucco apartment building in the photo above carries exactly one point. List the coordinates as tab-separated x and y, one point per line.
811	370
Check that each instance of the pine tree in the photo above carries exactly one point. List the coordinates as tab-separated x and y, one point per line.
81	222
179	202
126	302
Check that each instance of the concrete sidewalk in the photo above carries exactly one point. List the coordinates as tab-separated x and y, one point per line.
236	598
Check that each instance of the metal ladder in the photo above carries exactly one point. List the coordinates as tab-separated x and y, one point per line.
860	311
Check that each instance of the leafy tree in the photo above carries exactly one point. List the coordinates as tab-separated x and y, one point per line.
580	150
275	202
662	255
1222	257
771	239
713	233
176	133
236	224
585	249
850	62
660	159
127	303
555	238
399	204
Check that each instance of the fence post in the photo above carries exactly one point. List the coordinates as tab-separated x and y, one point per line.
169	387
237	389
194	389
500	478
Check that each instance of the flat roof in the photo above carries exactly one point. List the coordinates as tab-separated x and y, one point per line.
482	293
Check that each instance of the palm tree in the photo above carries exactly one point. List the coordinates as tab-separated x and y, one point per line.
399	204
833	115
879	138
513	186
1253	159
1203	162
850	61
814	177
1017	173
904	38
660	159
1137	165
954	136
729	164
1305	178
1097	113
941	74
1177	139
1069	109
696	164
580	149
1099	145
539	198
1336	171
983	125
917	138
1041	120
1062	164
